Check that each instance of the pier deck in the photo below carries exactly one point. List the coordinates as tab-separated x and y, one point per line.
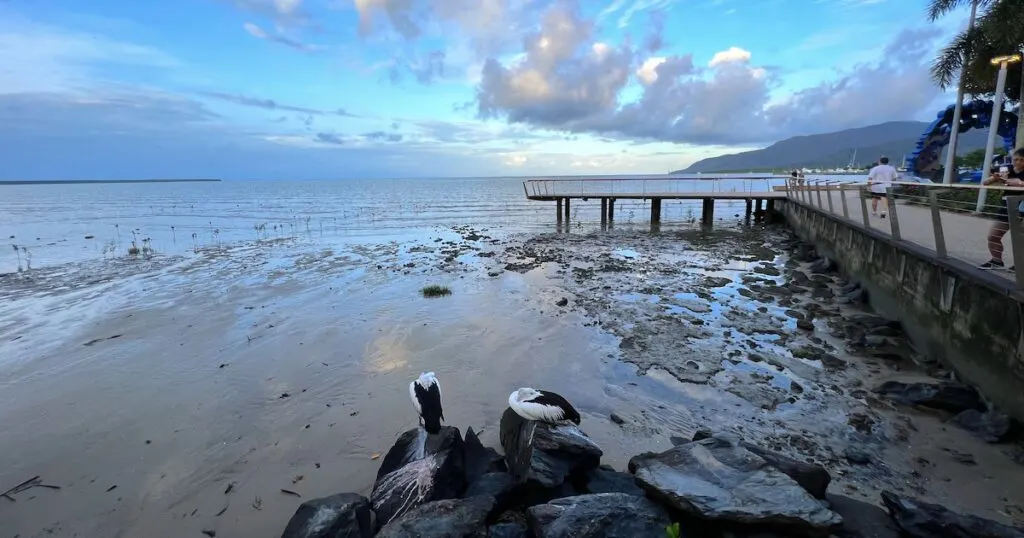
754	189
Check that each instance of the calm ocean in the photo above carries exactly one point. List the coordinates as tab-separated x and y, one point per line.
58	224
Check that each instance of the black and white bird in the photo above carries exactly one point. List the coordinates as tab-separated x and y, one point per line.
543	406
426	398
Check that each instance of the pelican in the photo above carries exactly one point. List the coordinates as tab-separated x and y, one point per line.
426	398
542	406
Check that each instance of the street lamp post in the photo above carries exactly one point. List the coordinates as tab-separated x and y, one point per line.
947	174
993	128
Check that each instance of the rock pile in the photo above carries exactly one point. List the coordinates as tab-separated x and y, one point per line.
550	484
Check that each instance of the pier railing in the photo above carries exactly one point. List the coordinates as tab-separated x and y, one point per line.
649	185
939	217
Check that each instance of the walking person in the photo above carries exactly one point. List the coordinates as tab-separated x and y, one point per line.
880	178
1011	177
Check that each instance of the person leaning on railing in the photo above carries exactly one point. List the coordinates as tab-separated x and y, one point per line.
1011	177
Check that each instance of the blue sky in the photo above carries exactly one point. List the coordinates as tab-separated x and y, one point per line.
324	89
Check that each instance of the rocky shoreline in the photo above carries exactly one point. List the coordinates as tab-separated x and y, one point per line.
550	484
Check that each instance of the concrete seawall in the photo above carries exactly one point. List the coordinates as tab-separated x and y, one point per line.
969	319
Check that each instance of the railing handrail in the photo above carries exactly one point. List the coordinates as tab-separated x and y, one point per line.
968	186
653	178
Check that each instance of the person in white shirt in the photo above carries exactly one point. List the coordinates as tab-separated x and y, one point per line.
879	178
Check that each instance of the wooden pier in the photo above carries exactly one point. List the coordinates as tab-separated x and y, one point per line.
759	193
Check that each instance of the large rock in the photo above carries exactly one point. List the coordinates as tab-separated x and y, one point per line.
507	530
501	486
813	478
923	520
991	426
862	520
451	518
543	453
599	515
345	515
480	459
717	479
604	479
944	395
418	469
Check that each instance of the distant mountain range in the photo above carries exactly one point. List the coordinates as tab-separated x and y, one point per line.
893	139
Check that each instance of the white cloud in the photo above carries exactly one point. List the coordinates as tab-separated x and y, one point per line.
648	70
731	55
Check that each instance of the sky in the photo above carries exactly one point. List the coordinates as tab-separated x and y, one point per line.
326	89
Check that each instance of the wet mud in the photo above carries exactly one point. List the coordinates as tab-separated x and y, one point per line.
166	396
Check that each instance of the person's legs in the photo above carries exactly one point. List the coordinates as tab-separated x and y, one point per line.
874	204
995	239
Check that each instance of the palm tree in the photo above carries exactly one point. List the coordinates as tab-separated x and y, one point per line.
999	29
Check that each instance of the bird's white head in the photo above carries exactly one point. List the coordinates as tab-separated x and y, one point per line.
427	379
523	394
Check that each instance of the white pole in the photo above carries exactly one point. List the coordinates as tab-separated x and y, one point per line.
947	175
1020	111
993	128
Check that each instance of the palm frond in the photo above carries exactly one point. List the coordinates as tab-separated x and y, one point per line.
938	8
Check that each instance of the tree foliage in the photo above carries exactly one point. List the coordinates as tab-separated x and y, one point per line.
972	159
998	30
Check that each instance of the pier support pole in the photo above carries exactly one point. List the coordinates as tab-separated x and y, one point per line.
566	210
655	210
604	210
708	214
611	209
749	205
769	216
757	205
558	209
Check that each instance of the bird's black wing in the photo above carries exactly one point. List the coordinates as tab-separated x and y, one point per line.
550	398
430	407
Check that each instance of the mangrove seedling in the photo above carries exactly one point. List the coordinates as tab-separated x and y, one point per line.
435	291
672	531
17	252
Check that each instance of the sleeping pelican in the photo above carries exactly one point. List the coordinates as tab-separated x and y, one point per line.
426	398
543	406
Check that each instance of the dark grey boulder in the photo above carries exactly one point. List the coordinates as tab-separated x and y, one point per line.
923	520
862	520
450	518
418	469
599	515
813	478
604	479
991	426
507	530
543	453
480	459
944	395
501	486
716	479
345	515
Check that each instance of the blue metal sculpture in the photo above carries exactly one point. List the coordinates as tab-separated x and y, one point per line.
925	161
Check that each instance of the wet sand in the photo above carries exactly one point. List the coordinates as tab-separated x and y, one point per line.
175	395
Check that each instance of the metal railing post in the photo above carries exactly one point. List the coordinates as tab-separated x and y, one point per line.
817	193
828	194
894	221
1016	237
864	208
940	238
842	198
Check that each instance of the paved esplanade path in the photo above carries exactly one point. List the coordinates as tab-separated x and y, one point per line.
965	234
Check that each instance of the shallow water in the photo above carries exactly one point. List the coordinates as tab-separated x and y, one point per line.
182	392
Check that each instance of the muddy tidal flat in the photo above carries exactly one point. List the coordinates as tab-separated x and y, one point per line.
170	395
